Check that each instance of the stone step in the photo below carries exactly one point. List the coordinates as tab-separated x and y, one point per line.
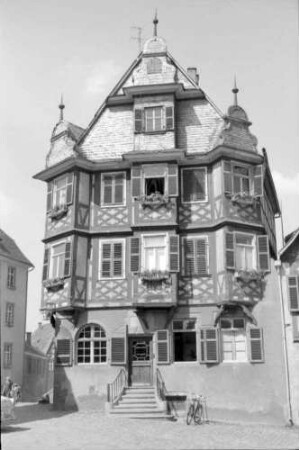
137	401
142	411
147	416
139	406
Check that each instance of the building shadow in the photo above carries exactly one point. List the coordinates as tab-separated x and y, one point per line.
26	413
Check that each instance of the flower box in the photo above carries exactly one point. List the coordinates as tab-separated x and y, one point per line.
54	284
243	198
154	200
249	275
58	212
154	275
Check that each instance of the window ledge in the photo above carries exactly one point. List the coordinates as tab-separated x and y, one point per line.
113	205
154	132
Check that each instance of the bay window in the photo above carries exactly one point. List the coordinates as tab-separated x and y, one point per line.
194	185
113	189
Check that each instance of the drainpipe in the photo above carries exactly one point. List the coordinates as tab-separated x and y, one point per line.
285	347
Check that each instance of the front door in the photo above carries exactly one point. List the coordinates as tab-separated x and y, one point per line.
140	360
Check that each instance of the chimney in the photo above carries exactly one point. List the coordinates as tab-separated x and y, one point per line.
28	337
192	72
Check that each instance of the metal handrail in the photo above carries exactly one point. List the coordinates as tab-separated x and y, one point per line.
117	387
160	385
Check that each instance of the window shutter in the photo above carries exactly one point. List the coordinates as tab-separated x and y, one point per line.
174	257
293	285
256	345
295	323
189	257
106	252
117	259
69	188
67	260
46	265
135	254
201	256
169	117
163	347
50	196
228	178
209	345
64	352
258	181
118	350
139	120
263	253
136	178
230	250
172	180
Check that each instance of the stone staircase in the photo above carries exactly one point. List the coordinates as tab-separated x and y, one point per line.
140	403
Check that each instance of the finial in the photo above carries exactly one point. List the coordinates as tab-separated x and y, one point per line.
235	91
61	107
155	22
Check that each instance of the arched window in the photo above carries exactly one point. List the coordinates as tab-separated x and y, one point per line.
91	345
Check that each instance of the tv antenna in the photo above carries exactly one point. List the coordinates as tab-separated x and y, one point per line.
137	38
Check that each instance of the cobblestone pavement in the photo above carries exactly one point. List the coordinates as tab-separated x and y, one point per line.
38	427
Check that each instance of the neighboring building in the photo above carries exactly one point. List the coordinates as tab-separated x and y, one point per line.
160	247
288	270
35	382
14	268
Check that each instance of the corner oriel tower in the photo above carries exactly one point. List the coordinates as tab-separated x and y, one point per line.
159	247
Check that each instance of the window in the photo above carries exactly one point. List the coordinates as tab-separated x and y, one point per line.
241	180
7	355
57	261
60	192
113	189
154	65
194	185
112	259
9	314
184	340
155	254
293	287
295	324
154	186
245	256
11	277
154	119
91	345
233	339
247	252
195	260
64	352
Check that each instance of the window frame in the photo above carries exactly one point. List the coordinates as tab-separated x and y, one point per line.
7	355
166	247
11	277
250	178
254	250
121	241
184	265
92	348
205	169
56	244
233	330
9	314
147	109
185	330
113	204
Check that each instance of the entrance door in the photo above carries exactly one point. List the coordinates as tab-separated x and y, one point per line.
140	360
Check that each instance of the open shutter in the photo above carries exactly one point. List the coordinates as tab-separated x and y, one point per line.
258	181
50	196
67	260
174	257
230	250
293	285
172	180
263	253
189	257
169	117
201	256
228	177
139	120
64	352
69	188
256	345
209	345
135	254
136	178
163	347
106	257
46	265
118	349
295	323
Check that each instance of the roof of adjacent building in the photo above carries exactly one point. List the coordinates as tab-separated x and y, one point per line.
33	350
9	249
289	240
42	337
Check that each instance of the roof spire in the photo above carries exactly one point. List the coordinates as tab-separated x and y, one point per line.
61	107
155	22
235	91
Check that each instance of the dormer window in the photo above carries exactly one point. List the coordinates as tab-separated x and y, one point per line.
154	119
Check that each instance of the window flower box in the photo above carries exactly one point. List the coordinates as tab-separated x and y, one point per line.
154	200
58	212
154	275
243	198
249	275
54	284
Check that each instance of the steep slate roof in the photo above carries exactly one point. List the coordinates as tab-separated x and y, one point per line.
289	240
43	337
9	248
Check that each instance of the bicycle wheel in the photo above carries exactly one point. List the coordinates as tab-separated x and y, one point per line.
190	414
198	414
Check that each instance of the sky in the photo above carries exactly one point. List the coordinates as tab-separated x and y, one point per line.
82	48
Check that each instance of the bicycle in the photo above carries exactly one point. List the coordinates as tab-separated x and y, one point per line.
196	410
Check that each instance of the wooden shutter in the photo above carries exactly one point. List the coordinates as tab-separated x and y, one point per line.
263	253
50	196
117	259
64	352
209	345
256	345
67	259
189	257
174	256
230	250
69	188
201	248
118	349
258	181
169	117
135	254
173	180
163	347
293	286
106	256
295	323
136	178
139	120
46	264
228	177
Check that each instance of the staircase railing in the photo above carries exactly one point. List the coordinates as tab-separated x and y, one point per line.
160	385
117	387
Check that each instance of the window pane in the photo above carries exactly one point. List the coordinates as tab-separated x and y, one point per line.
194	185
184	346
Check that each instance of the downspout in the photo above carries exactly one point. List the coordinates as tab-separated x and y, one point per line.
285	347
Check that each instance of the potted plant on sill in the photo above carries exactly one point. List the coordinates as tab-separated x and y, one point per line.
154	275
59	211
54	284
155	199
249	275
244	198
